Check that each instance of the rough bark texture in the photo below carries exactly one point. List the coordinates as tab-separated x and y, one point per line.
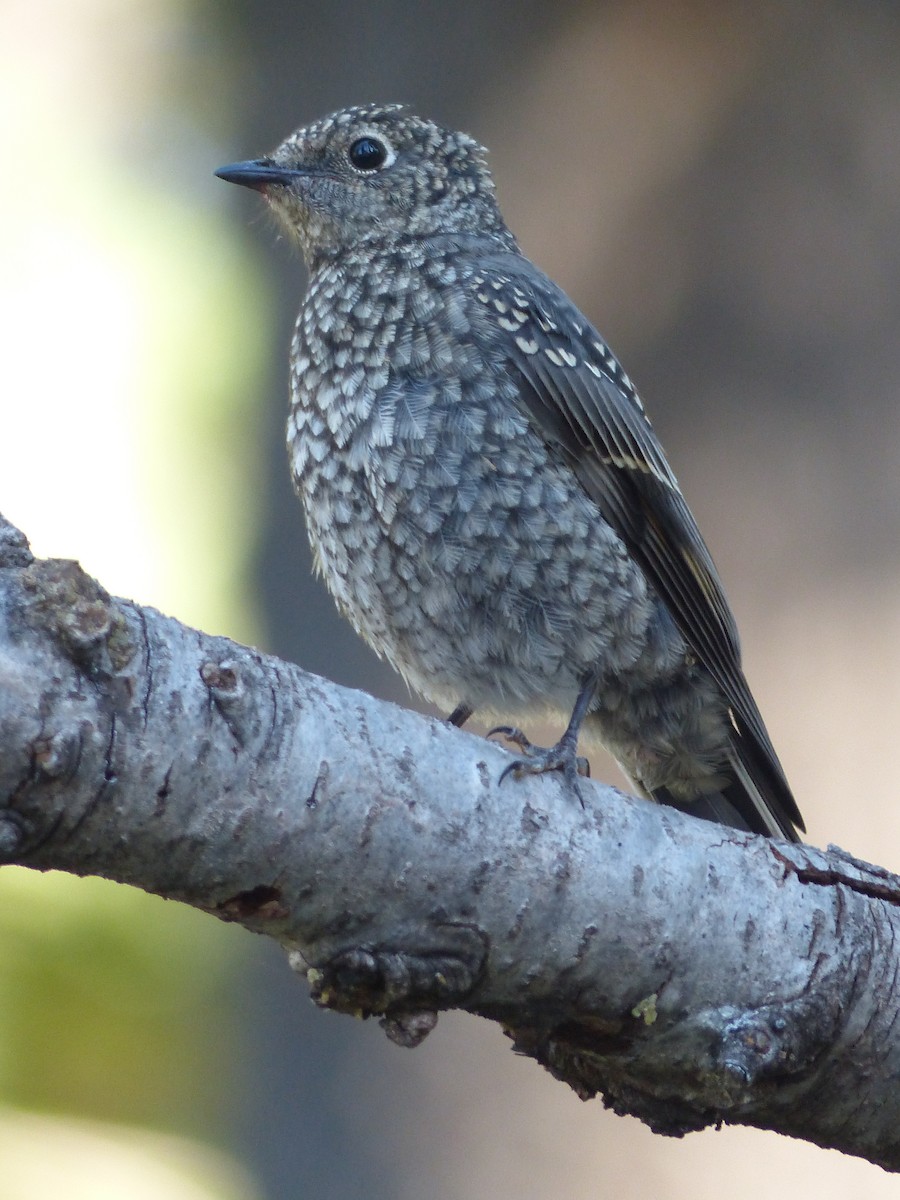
690	973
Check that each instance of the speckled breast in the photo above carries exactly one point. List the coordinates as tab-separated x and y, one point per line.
457	547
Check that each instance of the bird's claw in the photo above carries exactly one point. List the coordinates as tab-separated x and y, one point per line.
536	760
511	733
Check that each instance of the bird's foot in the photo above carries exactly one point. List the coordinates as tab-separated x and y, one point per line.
536	760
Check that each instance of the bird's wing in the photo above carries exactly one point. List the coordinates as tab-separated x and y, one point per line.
580	399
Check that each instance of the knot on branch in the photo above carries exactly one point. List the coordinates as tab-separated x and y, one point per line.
405	986
681	1075
768	1043
235	702
81	617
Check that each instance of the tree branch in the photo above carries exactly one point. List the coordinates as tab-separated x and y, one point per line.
691	974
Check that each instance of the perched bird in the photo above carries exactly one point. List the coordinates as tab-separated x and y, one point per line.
484	495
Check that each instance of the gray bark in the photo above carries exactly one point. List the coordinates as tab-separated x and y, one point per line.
689	973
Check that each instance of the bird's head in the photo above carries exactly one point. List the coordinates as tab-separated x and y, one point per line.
373	175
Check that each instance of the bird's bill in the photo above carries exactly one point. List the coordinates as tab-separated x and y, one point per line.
257	174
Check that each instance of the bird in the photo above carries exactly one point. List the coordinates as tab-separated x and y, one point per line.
484	494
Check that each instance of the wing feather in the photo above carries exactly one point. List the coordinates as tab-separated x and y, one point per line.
579	399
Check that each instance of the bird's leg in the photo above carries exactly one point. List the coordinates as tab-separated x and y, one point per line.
460	715
561	757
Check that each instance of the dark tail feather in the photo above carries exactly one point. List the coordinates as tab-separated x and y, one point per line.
756	798
714	806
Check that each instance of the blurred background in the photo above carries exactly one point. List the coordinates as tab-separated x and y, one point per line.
718	186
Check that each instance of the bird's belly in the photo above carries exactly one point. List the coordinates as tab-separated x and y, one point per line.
485	575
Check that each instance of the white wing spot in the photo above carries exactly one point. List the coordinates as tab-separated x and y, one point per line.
568	358
594	370
553	356
501	306
506	323
482	296
526	346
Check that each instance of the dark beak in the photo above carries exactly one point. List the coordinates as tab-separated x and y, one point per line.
259	174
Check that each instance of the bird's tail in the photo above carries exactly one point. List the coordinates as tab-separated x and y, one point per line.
756	796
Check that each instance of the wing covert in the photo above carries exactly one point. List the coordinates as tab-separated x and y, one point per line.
580	400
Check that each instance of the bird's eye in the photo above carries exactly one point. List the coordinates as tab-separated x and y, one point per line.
367	154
